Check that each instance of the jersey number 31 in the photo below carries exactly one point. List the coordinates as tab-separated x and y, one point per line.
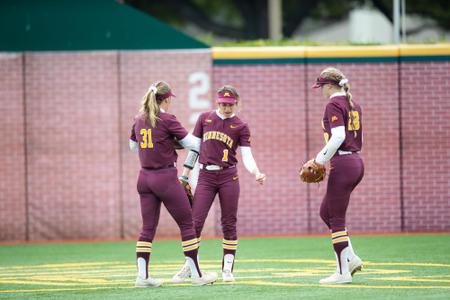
146	138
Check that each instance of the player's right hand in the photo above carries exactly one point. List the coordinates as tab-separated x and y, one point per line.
260	178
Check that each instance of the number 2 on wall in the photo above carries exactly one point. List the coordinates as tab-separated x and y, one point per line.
225	155
146	138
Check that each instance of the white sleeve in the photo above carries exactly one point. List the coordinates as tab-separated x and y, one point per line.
191	142
247	158
133	145
336	140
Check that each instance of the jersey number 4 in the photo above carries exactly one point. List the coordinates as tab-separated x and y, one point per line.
146	138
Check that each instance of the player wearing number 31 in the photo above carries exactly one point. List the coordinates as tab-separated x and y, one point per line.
342	126
220	132
153	135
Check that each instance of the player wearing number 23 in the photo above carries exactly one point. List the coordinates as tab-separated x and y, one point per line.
342	124
153	134
219	133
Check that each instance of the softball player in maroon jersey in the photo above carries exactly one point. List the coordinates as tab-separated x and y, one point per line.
342	124
220	133
153	135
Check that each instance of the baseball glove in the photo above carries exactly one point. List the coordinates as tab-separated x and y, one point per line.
312	172
187	188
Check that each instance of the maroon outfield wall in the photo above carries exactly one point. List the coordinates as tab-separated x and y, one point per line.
13	213
66	171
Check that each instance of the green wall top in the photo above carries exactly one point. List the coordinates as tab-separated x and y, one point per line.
64	25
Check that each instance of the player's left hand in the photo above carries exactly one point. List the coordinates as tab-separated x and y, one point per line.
260	178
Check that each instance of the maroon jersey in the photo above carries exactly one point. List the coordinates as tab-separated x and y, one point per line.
156	147
337	113
220	138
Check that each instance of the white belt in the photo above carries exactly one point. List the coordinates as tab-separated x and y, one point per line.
342	152
213	167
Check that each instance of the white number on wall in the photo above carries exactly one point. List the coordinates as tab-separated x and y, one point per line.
198	94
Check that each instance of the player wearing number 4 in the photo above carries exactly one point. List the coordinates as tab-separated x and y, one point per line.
220	133
152	135
343	136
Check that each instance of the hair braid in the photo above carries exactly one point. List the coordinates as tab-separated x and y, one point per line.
336	75
352	108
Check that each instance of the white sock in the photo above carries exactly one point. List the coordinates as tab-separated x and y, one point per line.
142	267
338	270
344	260
228	261
351	253
194	272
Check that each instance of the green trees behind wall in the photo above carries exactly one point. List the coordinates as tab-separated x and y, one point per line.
247	20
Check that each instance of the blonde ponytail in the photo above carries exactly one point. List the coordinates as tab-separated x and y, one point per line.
152	99
150	107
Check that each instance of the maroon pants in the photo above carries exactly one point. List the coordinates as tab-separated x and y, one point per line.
226	184
346	173
156	186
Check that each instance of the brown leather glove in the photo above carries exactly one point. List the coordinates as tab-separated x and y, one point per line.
312	172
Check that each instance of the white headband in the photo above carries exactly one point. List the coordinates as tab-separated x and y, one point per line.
343	82
153	88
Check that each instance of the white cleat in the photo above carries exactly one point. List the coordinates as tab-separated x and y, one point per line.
227	276
207	278
355	264
337	278
147	282
182	275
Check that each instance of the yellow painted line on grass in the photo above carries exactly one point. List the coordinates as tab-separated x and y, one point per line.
97	275
326	261
370	271
65	265
71	279
260	270
411	279
412	264
251	283
354	286
433	276
61	289
36	282
108	275
81	266
57	283
67	271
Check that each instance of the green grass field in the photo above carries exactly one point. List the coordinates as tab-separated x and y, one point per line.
396	267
